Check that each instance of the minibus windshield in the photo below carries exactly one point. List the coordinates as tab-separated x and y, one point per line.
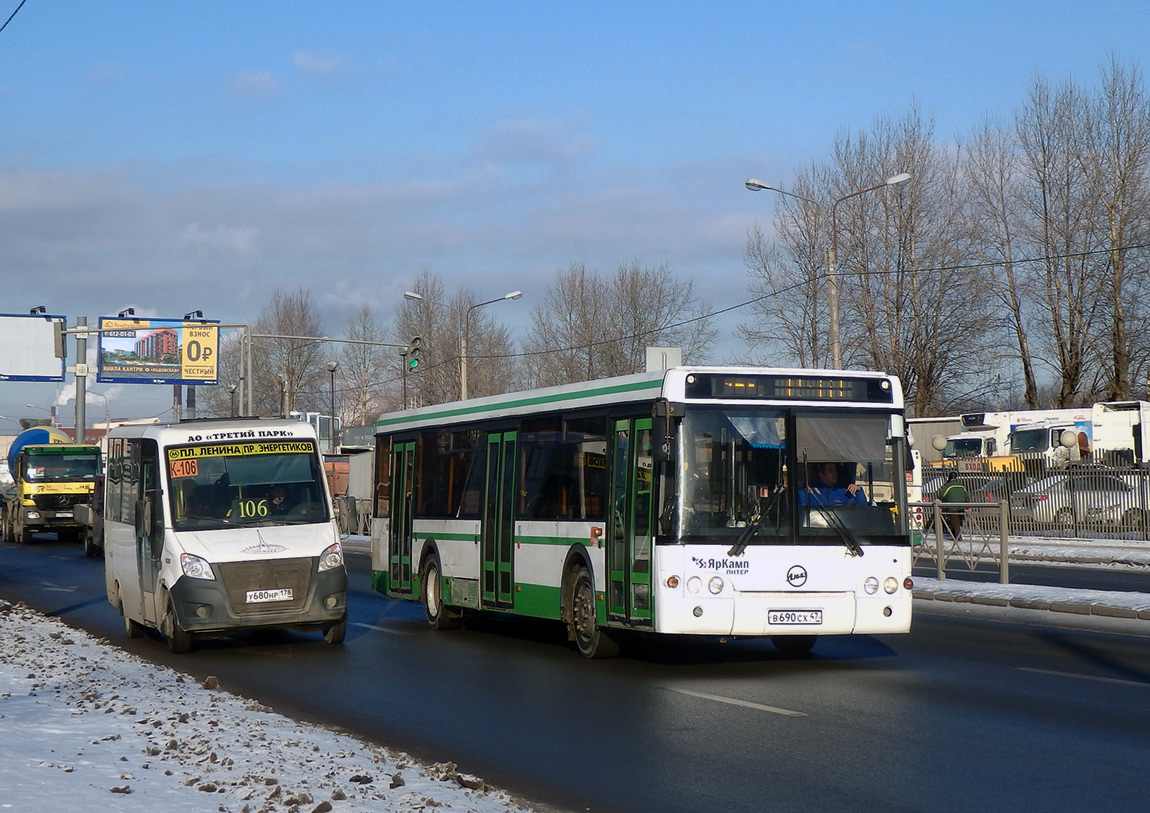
227	484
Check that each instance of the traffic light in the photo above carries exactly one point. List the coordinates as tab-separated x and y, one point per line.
413	353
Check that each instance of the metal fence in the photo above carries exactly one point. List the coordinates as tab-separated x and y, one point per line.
963	535
1087	501
353	515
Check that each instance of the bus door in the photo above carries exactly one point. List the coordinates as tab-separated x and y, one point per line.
498	513
630	526
402	506
148	515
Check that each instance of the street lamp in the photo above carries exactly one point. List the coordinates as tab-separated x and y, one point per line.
755	185
464	330
833	287
463	340
332	366
51	412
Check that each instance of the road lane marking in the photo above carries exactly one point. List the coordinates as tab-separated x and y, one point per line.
744	703
377	629
1141	683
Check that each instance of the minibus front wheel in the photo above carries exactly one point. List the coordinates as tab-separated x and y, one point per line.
336	632
179	639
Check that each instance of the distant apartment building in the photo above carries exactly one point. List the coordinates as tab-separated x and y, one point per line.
158	344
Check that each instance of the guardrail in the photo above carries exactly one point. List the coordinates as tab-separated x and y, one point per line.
969	533
353	515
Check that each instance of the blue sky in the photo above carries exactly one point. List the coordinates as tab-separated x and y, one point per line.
177	156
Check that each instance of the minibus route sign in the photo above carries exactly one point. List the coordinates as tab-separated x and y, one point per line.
184	468
240	449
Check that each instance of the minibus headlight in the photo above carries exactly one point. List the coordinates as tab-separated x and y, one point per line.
331	558
195	567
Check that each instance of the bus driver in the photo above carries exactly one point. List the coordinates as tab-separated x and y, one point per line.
827	491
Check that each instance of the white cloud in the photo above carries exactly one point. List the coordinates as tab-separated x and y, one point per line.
328	63
241	240
255	85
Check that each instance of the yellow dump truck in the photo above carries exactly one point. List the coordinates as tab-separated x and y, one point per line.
53	477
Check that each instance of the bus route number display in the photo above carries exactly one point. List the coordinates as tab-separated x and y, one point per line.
184	468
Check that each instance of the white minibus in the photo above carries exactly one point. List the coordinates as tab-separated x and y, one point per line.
218	526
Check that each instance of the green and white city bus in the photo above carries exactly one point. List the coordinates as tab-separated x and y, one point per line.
684	501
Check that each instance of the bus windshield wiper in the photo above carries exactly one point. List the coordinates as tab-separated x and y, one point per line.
842	530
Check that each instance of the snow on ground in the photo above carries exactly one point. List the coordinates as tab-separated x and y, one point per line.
86	727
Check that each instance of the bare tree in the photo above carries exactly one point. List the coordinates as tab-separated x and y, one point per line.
289	367
1115	160
441	325
590	327
366	371
1057	215
991	173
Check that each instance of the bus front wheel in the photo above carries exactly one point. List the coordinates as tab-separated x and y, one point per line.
793	644
591	639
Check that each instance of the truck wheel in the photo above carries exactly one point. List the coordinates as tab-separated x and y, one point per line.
91	550
25	536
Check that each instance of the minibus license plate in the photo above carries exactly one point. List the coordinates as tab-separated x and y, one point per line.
794	617
279	594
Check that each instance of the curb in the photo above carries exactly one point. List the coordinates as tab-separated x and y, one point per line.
1056	605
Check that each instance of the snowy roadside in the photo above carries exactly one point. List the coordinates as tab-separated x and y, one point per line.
85	727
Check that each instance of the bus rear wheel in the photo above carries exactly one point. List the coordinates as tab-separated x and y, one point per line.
591	640
439	615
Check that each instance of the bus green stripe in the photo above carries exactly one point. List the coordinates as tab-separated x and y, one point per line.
654	385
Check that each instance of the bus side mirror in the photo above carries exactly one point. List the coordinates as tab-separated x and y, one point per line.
662	429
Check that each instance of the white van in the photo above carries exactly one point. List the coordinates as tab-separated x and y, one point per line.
216	526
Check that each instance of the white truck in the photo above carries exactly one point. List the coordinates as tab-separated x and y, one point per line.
1110	432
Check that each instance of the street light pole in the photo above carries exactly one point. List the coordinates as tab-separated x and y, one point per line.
756	185
833	282
464	337
464	330
332	366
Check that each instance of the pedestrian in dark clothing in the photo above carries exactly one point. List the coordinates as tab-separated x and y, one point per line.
953	492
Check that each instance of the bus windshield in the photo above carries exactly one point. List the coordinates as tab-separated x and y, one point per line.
756	476
224	485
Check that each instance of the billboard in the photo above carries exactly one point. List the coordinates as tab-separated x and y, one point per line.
158	351
33	347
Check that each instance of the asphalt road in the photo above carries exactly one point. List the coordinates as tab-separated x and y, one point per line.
962	714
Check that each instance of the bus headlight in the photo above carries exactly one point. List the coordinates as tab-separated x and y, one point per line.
890	584
694	584
715	585
870	585
195	567
331	558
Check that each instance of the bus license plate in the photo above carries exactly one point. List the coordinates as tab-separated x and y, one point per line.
780	617
259	596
